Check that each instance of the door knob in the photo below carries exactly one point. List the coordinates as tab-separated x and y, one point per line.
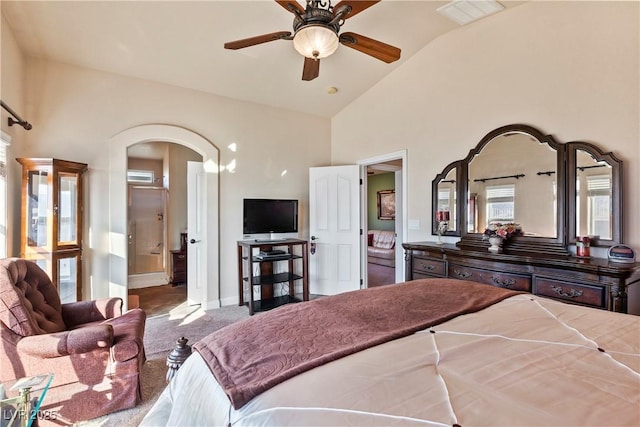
314	238
194	241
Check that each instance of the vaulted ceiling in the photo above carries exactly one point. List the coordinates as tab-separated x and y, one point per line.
181	43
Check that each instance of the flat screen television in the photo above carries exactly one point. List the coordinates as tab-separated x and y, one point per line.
262	216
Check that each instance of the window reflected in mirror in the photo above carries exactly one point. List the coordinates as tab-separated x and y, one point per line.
514	179
593	197
500	203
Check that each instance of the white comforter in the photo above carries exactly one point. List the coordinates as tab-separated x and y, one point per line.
525	361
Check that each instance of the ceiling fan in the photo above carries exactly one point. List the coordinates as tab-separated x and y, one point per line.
315	33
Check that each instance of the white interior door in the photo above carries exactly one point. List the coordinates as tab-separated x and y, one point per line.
196	256
334	227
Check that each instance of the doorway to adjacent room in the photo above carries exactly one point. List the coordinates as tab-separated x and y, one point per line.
384	223
205	274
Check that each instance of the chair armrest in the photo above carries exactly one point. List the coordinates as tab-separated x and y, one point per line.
77	313
76	341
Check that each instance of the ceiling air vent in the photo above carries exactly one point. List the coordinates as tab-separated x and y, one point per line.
465	11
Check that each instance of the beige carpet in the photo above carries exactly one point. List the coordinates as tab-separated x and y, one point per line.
161	333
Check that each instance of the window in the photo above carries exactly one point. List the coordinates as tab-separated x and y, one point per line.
140	176
4	142
501	203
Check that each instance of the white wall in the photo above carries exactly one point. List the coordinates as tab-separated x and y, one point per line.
12	86
76	111
567	68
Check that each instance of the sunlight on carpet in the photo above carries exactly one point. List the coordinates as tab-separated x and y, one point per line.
161	333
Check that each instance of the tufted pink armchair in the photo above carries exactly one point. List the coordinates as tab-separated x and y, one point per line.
94	350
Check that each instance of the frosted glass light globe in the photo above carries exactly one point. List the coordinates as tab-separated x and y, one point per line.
315	41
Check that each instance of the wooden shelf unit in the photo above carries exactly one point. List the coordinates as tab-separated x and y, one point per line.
296	261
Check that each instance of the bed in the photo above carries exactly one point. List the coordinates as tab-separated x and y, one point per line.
429	352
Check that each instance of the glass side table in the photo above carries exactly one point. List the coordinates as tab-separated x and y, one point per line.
20	399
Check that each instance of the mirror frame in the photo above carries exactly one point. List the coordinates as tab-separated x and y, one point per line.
434	198
616	191
566	196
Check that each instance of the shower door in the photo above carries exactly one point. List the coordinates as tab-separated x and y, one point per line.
146	230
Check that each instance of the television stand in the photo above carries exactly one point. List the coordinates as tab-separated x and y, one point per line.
264	283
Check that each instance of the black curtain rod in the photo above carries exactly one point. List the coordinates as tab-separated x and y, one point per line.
18	120
582	168
518	176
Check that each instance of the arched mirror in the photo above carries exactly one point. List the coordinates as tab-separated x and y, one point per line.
516	174
555	191
514	179
596	209
444	191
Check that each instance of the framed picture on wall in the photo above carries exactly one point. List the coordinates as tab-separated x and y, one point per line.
387	204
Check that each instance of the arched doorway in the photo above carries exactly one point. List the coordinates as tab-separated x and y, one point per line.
118	254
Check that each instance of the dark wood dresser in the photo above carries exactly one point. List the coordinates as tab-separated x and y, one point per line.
179	262
590	282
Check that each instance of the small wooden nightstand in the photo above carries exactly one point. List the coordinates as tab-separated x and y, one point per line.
179	262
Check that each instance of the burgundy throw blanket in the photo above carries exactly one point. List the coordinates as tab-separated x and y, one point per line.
249	357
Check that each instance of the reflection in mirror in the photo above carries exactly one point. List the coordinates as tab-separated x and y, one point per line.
593	197
514	179
447	198
472	213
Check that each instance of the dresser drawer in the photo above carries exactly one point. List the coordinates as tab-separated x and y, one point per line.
431	267
573	292
511	281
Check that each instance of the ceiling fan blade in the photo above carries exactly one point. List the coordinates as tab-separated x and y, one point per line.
291	6
377	49
311	69
251	41
356	6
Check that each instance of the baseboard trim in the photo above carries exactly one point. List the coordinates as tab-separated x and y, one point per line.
228	301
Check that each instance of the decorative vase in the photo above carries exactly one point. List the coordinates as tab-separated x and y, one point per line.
496	244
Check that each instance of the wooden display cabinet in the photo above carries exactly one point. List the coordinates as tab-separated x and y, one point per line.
51	224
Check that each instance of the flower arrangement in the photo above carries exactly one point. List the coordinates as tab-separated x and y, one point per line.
504	230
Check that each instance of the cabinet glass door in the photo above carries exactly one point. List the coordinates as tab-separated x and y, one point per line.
67	275
67	208
37	206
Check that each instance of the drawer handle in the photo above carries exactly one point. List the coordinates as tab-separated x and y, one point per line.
462	274
428	267
503	283
573	294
